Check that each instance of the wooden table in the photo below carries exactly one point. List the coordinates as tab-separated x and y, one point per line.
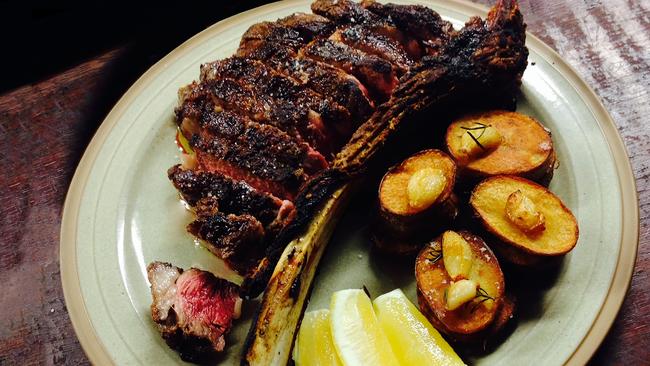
45	127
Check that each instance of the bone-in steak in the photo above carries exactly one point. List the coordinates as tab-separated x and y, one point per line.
307	100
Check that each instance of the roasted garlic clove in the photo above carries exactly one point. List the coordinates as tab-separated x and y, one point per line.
478	139
523	213
459	293
456	255
425	186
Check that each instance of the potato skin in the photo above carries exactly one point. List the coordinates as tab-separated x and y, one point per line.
507	159
505	314
515	252
465	324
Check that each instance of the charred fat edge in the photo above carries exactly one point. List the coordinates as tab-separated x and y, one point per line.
271	336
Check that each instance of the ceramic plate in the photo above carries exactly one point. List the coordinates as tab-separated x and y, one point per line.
121	213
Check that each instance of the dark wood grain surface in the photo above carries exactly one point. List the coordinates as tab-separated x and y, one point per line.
45	127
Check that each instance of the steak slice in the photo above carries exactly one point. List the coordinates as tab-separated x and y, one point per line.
262	155
375	43
342	87
193	309
325	79
232	196
237	239
292	32
346	12
266	81
308	26
352	13
417	22
232	95
269	33
376	73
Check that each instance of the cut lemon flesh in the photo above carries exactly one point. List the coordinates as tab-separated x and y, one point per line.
358	337
413	339
314	346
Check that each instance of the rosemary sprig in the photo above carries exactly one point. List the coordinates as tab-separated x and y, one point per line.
483	296
476	140
481	127
434	255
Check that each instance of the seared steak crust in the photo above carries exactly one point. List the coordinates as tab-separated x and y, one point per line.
376	73
252	152
231	196
265	80
416	21
346	12
237	239
375	43
325	79
308	26
233	144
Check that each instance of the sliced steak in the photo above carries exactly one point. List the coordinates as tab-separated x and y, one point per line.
342	87
232	196
266	81
417	22
352	13
235	96
376	73
282	179
262	155
193	309
346	12
254	43
374	43
237	239
308	26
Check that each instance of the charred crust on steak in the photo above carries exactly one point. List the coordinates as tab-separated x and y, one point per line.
267	81
309	26
308	202
237	239
232	196
345	12
416	21
379	75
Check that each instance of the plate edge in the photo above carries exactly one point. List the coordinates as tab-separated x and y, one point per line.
82	324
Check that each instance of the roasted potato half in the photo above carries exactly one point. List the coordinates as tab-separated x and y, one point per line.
501	142
461	287
530	225
415	198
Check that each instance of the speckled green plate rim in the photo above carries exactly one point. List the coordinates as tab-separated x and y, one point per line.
97	351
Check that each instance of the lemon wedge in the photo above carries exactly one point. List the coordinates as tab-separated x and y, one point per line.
358	338
314	346
413	339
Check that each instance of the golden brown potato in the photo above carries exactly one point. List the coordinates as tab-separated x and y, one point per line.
501	142
530	225
420	185
456	259
415	200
